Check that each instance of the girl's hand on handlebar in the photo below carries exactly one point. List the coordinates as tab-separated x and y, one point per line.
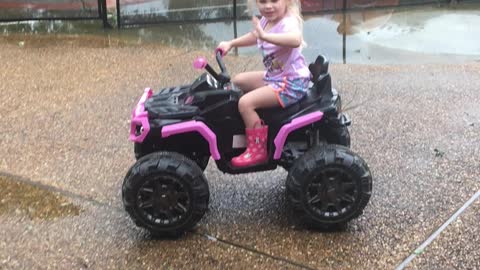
225	46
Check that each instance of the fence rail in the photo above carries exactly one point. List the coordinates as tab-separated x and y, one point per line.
23	10
141	12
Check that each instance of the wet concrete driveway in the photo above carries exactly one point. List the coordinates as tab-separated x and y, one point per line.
65	110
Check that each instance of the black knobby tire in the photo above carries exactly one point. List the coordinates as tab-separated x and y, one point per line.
328	186
165	193
201	160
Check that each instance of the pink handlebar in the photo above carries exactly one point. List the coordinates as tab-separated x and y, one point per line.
200	63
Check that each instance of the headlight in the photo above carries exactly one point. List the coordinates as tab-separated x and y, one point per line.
138	130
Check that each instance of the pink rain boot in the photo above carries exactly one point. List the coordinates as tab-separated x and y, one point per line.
256	147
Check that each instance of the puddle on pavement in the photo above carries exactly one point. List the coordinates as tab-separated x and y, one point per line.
17	198
40	41
38	34
88	33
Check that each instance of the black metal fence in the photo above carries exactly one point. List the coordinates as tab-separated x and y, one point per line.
32	10
140	12
167	11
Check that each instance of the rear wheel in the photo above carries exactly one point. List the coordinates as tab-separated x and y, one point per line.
200	159
328	186
165	193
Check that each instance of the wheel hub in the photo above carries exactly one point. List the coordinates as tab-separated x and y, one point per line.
332	192
166	198
163	200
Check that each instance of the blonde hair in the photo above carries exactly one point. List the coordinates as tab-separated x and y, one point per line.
294	7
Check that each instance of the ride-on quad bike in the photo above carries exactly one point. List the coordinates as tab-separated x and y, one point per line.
177	130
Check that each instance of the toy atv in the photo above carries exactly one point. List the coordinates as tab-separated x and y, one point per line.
178	129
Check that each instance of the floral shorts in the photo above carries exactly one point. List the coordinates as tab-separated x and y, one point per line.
289	91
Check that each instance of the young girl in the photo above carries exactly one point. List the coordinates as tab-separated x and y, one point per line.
278	35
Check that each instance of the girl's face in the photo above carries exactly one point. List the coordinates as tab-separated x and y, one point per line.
272	10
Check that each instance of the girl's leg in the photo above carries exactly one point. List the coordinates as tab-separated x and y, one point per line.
248	81
256	152
263	97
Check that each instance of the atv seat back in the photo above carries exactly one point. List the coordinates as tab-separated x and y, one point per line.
319	68
321	79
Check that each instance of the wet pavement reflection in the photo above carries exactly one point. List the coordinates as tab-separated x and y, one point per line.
36	203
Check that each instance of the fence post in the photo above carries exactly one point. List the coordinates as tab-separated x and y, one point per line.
235	34
102	9
344	51
118	15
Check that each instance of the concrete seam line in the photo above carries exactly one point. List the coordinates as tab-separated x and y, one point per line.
255	251
432	237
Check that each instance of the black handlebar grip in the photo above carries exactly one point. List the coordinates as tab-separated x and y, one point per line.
219	53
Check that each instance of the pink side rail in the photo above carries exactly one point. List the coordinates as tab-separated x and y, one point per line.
287	128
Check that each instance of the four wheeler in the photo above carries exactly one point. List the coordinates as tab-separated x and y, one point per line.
176	130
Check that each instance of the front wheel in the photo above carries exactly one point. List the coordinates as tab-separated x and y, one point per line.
328	186
165	193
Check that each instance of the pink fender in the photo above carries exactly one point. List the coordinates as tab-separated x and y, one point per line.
197	126
293	125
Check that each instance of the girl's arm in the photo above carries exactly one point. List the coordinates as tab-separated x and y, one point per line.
291	39
248	39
